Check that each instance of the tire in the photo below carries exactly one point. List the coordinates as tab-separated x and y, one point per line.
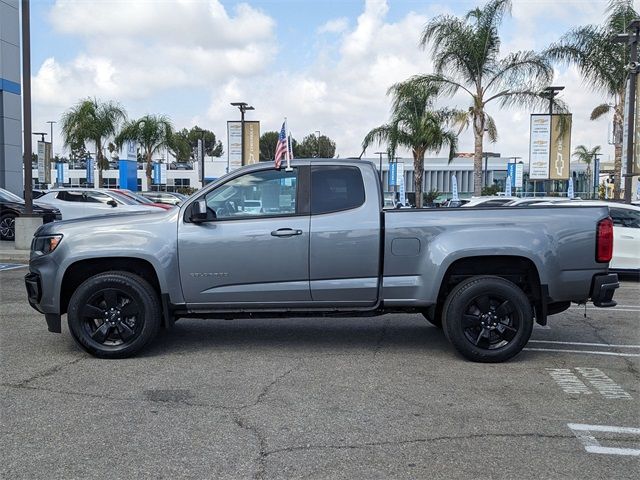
488	319
8	227
114	314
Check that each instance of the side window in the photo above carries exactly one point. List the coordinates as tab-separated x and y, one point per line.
625	218
96	197
263	193
334	189
69	196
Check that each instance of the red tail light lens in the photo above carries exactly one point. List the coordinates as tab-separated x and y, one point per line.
604	241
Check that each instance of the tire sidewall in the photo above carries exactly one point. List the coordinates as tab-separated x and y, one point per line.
139	290
13	217
458	300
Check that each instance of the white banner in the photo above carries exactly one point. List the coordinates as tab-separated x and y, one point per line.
519	173
42	170
539	147
234	145
399	173
454	188
163	173
508	187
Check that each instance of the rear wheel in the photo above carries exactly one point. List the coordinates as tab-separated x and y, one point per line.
114	314
8	226
488	319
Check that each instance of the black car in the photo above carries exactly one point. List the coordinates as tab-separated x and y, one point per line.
12	206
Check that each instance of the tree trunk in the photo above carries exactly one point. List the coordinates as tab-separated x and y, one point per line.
478	134
618	121
589	182
418	171
99	183
149	169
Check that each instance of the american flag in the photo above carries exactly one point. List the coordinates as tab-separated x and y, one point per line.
282	147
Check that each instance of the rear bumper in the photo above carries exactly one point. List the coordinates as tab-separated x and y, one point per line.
604	286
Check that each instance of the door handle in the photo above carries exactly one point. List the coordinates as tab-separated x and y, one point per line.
285	232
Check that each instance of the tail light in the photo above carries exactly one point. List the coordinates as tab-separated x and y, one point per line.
604	240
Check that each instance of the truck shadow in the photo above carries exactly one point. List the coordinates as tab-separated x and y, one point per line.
301	336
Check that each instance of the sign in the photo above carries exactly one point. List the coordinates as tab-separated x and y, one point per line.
454	188
44	162
251	142
392	174
508	186
234	145
132	151
62	173
399	173
560	156
570	192
401	189
89	167
519	175
539	146
159	173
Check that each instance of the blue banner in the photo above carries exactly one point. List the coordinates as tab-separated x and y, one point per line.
511	173
89	161
393	169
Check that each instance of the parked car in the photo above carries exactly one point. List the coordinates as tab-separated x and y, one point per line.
488	201
321	245
84	202
180	166
528	201
171	198
626	234
139	198
12	206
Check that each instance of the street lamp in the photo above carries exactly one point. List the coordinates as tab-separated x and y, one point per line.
201	158
243	107
380	172
51	122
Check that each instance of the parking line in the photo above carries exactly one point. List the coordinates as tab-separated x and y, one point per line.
585	344
614	309
591	352
10	266
592	445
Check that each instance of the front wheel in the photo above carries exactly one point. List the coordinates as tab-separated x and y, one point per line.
488	319
114	314
8	227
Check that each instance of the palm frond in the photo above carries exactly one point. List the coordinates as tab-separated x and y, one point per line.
600	110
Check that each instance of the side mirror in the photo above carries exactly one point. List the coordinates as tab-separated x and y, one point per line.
113	203
199	211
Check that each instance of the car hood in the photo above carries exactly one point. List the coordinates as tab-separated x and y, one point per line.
37	207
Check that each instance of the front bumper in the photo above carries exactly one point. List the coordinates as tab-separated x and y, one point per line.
604	286
34	290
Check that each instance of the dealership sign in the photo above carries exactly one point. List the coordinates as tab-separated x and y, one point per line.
550	147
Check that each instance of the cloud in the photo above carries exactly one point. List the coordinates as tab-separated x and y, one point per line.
337	25
134	49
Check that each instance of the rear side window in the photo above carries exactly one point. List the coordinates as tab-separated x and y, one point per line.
70	196
625	218
334	189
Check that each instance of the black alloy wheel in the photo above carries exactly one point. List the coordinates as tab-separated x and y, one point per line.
488	319
8	227
114	314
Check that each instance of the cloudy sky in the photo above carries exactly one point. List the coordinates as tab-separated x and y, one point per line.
324	64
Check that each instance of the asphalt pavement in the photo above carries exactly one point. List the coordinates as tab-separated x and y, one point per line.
345	398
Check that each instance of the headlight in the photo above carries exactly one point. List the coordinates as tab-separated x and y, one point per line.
45	244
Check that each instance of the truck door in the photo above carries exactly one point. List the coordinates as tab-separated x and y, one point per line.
344	251
255	253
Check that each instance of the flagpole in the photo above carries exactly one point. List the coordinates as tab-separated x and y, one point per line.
289	145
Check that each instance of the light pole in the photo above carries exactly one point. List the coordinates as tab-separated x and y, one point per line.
551	93
26	107
318	135
380	172
596	175
51	122
243	106
201	157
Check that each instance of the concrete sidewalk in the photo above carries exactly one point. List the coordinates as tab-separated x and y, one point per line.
8	253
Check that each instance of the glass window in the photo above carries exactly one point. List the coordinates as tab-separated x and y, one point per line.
268	192
96	197
70	196
335	188
625	218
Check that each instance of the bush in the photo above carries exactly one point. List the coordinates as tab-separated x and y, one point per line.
429	198
490	191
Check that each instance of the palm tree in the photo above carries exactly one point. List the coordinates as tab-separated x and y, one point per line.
151	132
416	126
466	57
583	154
602	64
92	121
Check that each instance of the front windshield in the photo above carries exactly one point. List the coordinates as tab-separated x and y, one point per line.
7	196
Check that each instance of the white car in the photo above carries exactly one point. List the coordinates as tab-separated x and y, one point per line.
528	201
85	202
626	234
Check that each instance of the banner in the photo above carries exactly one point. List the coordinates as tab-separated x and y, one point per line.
514	172
570	192
251	142
89	166
402	191
560	157
508	186
159	173
636	153
392	174
234	145
44	162
62	173
539	146
454	189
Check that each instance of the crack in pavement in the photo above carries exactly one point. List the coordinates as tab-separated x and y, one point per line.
48	372
383	333
413	441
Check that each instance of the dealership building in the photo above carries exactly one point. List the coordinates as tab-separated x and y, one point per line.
10	99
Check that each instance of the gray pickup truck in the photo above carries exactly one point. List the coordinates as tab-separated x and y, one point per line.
316	241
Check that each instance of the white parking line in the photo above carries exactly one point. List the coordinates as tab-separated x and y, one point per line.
591	352
568	381
585	344
601	382
605	310
10	266
592	445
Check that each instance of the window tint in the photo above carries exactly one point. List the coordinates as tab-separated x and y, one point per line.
625	218
335	188
70	196
268	192
96	197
